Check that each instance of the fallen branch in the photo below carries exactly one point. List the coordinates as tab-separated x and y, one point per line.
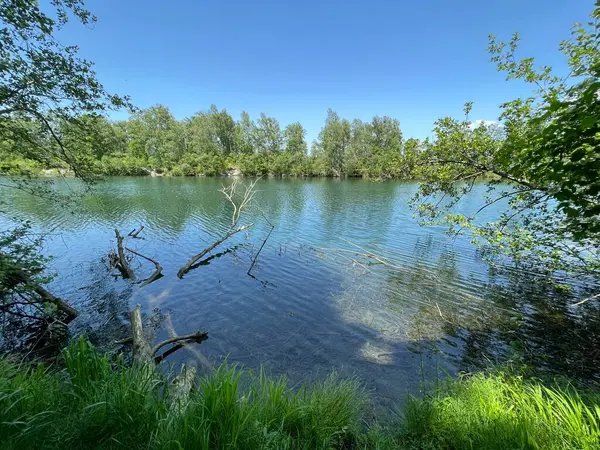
61	305
19	276
144	354
186	268
157	272
261	247
134	233
585	300
237	207
121	262
197	337
182	385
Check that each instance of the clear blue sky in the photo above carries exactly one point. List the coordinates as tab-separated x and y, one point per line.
415	60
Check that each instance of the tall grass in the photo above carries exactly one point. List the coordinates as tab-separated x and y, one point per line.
502	412
97	403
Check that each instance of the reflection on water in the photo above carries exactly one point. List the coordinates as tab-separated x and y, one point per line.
347	281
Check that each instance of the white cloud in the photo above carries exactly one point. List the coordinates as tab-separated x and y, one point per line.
487	123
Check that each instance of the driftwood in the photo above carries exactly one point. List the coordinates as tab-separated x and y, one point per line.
237	208
145	354
134	233
157	271
61	305
261	247
188	265
19	276
119	261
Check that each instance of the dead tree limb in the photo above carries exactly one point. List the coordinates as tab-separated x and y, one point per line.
123	264
144	354
182	385
186	268
198	337
158	268
60	304
238	206
134	233
19	276
261	247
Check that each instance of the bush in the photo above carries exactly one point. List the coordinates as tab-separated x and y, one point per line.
19	166
118	165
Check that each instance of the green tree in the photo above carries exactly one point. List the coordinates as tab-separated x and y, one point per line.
243	134
544	165
43	85
157	136
267	135
43	81
333	142
293	137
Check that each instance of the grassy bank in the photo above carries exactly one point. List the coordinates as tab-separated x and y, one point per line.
96	403
258	164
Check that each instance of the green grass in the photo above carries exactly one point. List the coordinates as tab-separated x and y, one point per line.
97	403
502	412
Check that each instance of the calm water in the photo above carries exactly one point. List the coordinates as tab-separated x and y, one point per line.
316	303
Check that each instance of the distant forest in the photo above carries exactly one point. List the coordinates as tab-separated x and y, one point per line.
212	142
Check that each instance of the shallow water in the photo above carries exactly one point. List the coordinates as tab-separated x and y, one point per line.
320	299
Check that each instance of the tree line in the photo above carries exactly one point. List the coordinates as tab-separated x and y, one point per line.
212	141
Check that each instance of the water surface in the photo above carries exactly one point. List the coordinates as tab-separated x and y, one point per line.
320	299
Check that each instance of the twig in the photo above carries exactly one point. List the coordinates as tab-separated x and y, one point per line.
134	233
157	272
593	297
261	247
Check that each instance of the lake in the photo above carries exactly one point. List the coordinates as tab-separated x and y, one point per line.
320	298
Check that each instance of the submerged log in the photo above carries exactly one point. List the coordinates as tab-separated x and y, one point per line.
19	276
145	354
142	351
122	263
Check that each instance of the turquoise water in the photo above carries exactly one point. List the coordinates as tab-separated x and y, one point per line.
320	298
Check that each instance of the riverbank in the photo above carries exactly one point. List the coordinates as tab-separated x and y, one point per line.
277	165
97	403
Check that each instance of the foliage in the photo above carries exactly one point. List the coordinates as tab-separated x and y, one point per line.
98	403
95	403
44	84
51	107
210	142
542	163
502	412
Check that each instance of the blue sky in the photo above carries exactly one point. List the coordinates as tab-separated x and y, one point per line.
413	60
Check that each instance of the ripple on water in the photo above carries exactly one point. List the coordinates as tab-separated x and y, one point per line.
313	305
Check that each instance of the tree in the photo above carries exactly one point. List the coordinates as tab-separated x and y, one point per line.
157	136
386	135
544	165
42	81
333	142
93	135
43	85
243	134
267	135
293	137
